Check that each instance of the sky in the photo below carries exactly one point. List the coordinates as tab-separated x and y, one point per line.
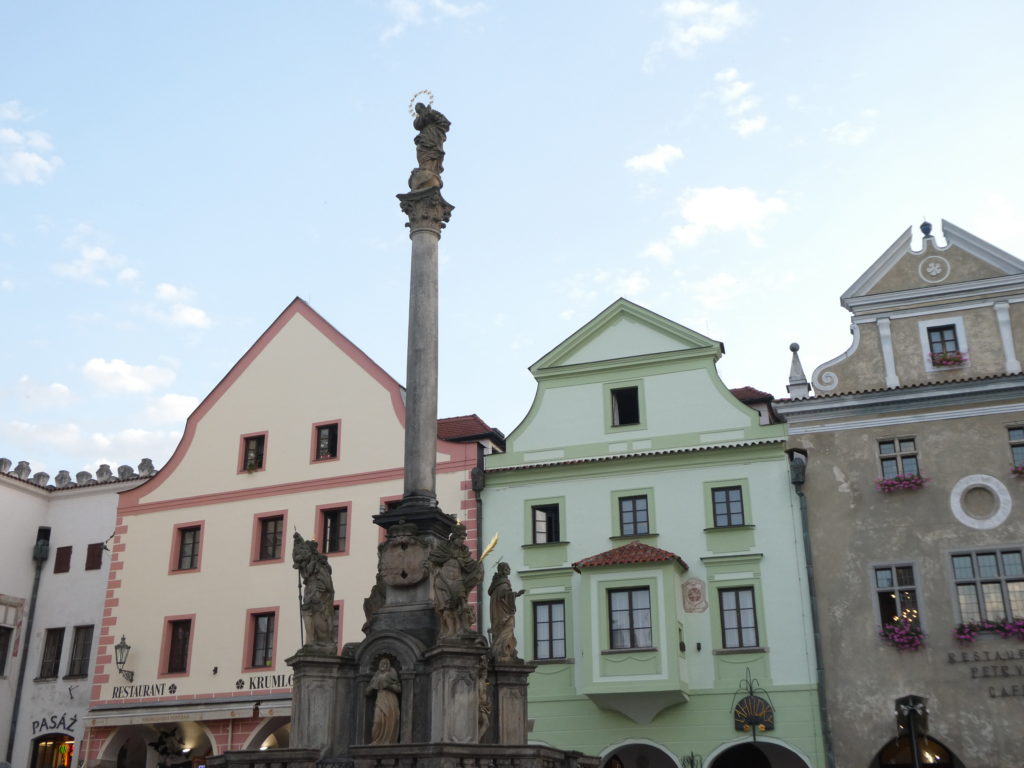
172	175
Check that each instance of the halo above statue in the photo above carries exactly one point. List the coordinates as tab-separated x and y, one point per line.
412	101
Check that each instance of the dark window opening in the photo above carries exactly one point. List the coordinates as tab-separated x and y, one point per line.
188	548
334	533
625	406
327	442
52	647
177	653
271	536
262	640
897	595
942	339
62	560
545	524
898	457
81	647
252	453
94	557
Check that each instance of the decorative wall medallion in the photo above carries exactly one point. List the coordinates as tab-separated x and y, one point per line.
933	269
754	713
695	599
980	502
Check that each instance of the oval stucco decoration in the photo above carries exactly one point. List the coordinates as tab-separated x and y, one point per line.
965	484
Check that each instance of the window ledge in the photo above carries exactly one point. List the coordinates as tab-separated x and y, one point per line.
730	651
745	527
627	536
548	662
613	651
76	677
545	544
44	679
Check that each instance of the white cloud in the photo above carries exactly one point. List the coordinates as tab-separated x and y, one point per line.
693	23
738	99
409	13
10	110
118	376
180	313
171	408
35	395
24	157
93	264
127	275
851	133
633	284
658	251
725	209
6	284
657	161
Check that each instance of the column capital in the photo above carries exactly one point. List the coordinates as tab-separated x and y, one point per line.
426	209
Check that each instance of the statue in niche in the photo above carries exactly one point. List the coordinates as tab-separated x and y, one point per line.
387	707
433	129
455	574
483	690
317	607
503	615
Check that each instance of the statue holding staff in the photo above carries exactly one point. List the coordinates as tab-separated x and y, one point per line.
317	604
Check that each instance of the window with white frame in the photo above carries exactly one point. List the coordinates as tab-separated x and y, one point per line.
896	594
989	585
549	630
629	617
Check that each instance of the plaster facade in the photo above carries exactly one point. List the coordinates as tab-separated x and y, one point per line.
916	558
54	657
304	434
605	507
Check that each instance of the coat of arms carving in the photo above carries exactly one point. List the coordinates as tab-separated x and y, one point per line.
403	557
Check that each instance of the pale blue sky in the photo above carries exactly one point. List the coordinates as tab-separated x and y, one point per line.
173	174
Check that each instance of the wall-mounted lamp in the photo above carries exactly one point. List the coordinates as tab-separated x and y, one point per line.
121	657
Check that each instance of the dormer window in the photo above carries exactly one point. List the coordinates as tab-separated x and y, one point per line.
943	343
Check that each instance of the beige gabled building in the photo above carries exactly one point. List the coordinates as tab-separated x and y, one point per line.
305	433
914	507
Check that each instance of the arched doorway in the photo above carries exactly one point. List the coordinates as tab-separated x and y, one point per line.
638	755
899	753
757	754
53	750
273	733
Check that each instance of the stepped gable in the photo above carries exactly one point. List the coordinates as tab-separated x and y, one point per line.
634	552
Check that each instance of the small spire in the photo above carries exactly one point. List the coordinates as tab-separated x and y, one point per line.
798	386
926	228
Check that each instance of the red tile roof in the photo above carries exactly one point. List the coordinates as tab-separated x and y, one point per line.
457	427
751	395
634	552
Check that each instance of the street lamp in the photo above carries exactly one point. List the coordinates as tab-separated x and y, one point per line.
121	657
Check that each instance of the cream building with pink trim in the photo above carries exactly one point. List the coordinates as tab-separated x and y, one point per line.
305	433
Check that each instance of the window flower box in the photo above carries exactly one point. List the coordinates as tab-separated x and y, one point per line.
1018	470
949	359
903	636
1005	628
900	483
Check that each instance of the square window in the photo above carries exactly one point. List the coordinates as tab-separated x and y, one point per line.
898	457
629	618
53	645
727	505
94	557
334	529
1016	435
81	647
179	635
262	631
896	594
633	520
989	585
942	339
62	560
739	618
625	406
271	537
545	524
189	538
325	441
549	630
5	648
253	453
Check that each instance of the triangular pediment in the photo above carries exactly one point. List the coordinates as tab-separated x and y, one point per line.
627	330
964	259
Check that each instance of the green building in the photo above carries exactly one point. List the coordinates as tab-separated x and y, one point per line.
649	516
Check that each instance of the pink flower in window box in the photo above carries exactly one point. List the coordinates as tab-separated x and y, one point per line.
949	359
900	483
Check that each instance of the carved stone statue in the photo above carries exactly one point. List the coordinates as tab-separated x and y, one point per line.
433	129
455	574
375	601
387	707
317	606
503	615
